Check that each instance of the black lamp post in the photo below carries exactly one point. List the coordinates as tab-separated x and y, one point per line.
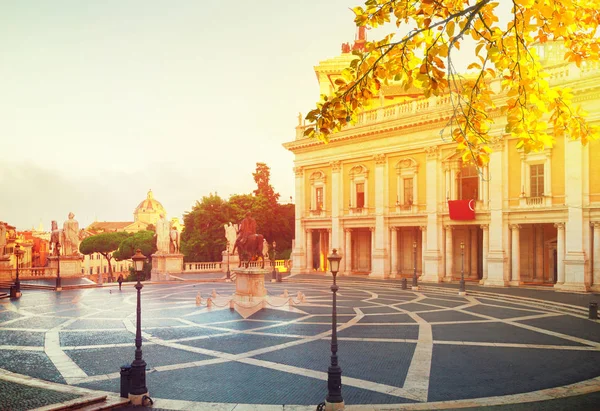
334	372
228	272
138	389
58	284
461	289
16	288
415	284
274	274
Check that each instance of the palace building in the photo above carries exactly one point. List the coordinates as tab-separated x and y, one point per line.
380	192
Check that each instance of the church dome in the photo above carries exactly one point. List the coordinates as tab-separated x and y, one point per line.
149	210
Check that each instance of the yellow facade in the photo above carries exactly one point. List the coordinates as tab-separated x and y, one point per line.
537	215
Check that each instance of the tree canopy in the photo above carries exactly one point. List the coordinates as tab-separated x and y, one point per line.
203	237
422	56
104	244
144	240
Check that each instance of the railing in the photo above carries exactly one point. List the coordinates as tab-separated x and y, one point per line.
211	267
534	201
319	212
424	106
31	273
203	267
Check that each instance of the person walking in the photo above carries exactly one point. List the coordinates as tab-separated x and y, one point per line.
120	280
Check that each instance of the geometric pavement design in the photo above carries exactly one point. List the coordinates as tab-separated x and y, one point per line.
398	349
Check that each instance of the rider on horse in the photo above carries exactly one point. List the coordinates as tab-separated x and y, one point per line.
247	228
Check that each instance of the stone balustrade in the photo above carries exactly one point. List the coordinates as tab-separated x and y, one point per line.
207	267
31	273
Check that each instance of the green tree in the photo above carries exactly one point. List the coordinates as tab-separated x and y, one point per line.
422	57
203	236
104	244
144	240
262	177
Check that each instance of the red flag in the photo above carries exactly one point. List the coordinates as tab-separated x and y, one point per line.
461	209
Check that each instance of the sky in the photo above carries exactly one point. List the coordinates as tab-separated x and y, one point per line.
101	101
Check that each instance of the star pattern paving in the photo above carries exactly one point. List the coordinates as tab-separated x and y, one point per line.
396	346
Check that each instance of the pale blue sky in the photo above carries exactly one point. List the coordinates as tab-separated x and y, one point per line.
102	100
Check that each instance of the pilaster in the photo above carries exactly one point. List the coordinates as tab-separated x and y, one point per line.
378	251
433	264
299	253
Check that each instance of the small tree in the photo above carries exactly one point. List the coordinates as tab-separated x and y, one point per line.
145	241
104	244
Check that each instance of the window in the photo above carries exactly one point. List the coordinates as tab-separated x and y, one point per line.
408	190
360	195
317	192
406	184
469	183
91	270
97	270
537	180
319	198
104	270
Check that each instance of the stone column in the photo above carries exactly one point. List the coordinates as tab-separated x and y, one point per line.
321	242
449	256
515	255
496	260
348	263
330	242
423	248
309	251
394	252
575	262
485	187
433	176
474	252
299	253
372	230
486	246
560	254
378	250
336	238
596	257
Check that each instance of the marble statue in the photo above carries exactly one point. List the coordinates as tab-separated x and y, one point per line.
2	238
71	236
265	248
55	238
230	234
174	237
163	228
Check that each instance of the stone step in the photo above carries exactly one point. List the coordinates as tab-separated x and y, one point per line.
89	403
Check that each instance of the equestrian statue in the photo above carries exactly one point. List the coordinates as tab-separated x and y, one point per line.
248	243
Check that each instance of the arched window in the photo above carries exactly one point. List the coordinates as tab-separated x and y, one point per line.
406	184
318	185
359	189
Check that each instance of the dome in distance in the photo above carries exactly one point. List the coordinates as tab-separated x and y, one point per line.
149	210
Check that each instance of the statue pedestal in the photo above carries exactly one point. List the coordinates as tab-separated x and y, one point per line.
70	265
165	264
250	284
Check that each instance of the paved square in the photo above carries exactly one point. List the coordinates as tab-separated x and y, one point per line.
397	348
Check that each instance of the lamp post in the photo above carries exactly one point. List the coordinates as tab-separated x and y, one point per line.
138	389
58	284
228	272
15	290
415	284
274	274
461	290
334	400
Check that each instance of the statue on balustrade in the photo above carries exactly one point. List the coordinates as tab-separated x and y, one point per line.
55	238
163	228
174	237
248	243
2	238
71	236
231	231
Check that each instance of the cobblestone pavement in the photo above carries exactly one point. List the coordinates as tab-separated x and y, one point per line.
398	349
16	397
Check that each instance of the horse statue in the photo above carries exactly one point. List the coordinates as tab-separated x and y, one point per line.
252	247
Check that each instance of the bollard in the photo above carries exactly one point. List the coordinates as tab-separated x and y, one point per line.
285	294
403	282
198	299
214	293
209	302
231	304
593	313
291	302
125	380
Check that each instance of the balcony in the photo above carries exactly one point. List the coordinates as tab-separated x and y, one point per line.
317	212
535	202
359	210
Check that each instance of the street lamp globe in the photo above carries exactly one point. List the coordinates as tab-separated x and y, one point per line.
138	260
334	262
